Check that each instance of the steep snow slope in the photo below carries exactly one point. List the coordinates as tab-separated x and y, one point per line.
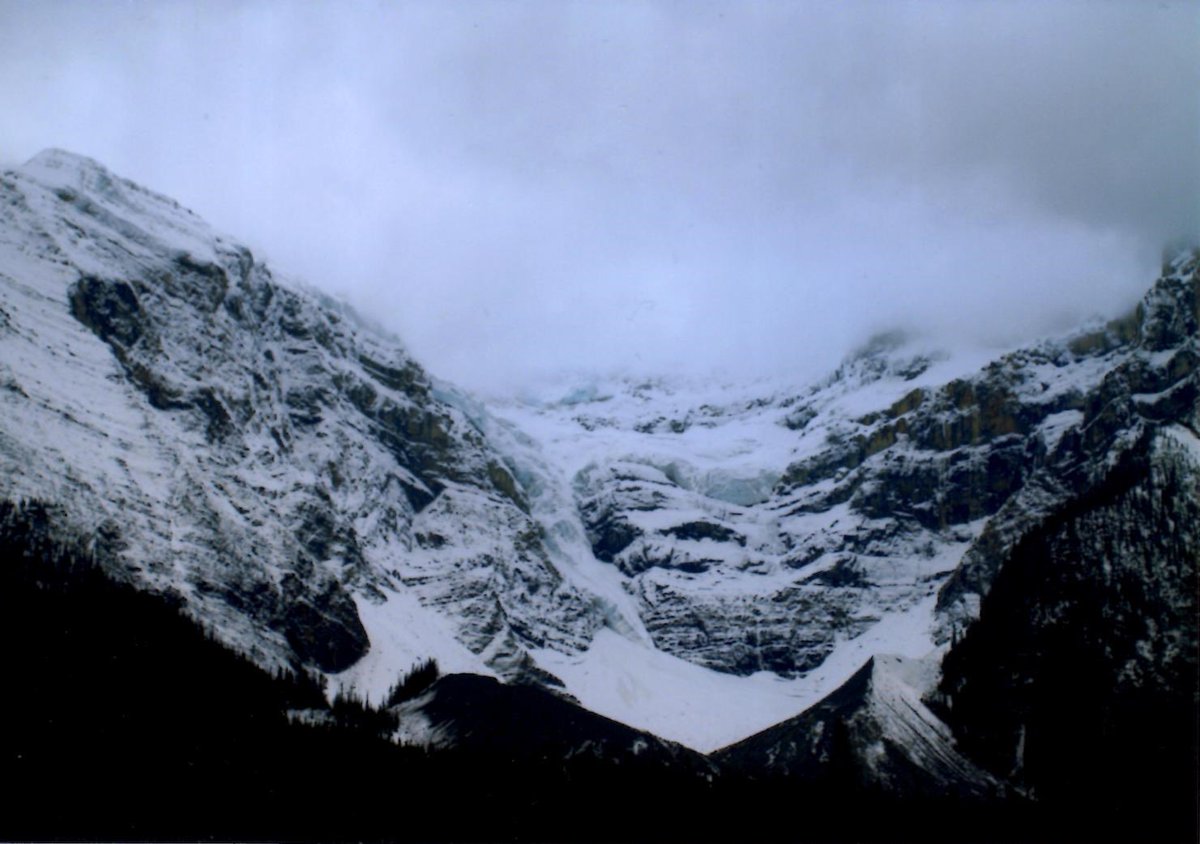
254	449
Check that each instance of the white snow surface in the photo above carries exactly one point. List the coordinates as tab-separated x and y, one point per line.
734	443
1186	440
403	633
705	709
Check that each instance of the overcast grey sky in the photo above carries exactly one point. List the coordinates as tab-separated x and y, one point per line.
522	186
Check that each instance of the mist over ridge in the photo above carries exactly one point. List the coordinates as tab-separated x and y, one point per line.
523	189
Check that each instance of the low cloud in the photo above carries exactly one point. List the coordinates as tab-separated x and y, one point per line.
516	188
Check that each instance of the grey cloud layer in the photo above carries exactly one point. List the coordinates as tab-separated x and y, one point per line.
517	187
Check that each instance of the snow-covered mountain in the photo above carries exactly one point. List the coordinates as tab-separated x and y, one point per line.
698	561
286	470
794	530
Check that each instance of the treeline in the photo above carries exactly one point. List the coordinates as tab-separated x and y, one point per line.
423	675
122	720
1079	679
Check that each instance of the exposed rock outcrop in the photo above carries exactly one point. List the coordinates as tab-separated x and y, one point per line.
254	447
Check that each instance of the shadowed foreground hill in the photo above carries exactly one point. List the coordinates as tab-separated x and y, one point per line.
125	721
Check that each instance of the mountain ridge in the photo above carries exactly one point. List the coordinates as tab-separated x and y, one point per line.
298	482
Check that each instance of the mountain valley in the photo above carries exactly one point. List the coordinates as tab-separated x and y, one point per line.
958	582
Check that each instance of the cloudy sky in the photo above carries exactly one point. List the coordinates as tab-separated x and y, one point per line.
519	187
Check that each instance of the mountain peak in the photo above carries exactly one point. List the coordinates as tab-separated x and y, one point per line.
56	157
62	168
63	184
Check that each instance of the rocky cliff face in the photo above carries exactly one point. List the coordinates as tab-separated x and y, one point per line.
1082	665
255	449
901	477
1150	380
